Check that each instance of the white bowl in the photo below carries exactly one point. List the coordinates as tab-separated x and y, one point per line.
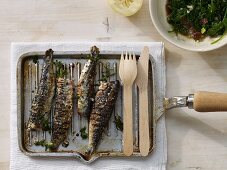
158	16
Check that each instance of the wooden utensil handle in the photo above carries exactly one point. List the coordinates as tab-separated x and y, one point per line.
144	137
210	101
127	122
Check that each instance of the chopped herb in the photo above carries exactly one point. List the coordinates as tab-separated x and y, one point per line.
198	19
44	143
118	123
35	59
83	133
45	124
48	145
60	70
203	30
43	121
40	143
106	74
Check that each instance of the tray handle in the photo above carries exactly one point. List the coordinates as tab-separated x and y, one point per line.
210	102
201	101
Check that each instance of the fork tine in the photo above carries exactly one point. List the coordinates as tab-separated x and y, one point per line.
126	55
122	56
134	56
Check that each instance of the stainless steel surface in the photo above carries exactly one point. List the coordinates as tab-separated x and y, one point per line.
111	144
190	101
179	101
174	102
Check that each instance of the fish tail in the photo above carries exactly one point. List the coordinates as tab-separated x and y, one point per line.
90	149
87	150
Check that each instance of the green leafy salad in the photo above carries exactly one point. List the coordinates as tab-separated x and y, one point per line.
198	19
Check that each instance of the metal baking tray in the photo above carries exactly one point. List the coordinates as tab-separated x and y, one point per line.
28	74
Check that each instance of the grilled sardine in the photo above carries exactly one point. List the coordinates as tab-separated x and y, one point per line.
85	87
103	107
41	103
63	111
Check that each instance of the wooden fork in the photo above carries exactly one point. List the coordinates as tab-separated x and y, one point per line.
127	73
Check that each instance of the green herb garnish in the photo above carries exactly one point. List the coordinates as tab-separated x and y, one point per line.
45	124
118	123
44	143
60	70
203	30
40	143
83	133
198	19
106	74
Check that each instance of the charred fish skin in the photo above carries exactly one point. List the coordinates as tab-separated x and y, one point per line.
63	111
41	103
85	86
103	107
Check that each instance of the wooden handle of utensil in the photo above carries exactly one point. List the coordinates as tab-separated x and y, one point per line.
144	136
127	122
210	101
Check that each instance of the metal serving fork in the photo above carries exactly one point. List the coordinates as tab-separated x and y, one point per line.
127	73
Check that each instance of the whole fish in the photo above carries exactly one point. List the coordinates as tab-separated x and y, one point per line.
103	107
63	111
85	86
42	102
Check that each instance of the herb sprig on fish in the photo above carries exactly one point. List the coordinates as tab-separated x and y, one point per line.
198	18
60	70
106	74
118	123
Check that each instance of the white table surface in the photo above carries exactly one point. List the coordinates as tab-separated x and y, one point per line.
195	140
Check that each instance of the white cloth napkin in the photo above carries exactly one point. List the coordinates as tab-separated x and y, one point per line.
155	161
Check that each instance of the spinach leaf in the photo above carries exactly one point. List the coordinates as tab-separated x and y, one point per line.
198	19
213	31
